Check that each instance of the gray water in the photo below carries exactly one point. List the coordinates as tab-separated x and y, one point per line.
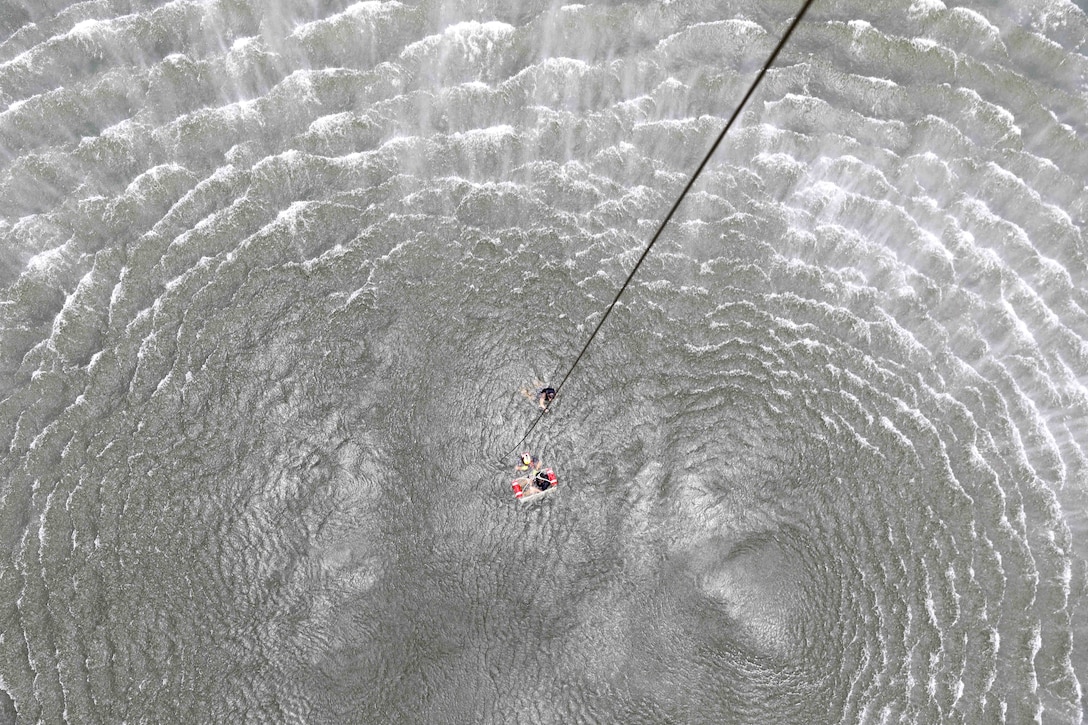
274	275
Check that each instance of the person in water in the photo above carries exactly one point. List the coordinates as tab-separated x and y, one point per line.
541	394
533	478
544	398
541	481
528	464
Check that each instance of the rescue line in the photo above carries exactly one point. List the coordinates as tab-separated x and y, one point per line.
554	392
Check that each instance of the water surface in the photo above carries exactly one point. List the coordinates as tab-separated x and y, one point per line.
274	275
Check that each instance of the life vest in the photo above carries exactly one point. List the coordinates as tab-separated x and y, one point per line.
533	464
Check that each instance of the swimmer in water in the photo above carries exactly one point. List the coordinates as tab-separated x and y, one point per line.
544	398
542	395
528	463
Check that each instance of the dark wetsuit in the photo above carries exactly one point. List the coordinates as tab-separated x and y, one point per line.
541	481
546	395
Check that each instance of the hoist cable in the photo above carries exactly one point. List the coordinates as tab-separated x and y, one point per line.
691	182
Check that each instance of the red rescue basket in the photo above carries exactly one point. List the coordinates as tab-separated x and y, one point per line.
520	484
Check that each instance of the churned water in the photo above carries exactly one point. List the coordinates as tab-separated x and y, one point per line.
274	274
